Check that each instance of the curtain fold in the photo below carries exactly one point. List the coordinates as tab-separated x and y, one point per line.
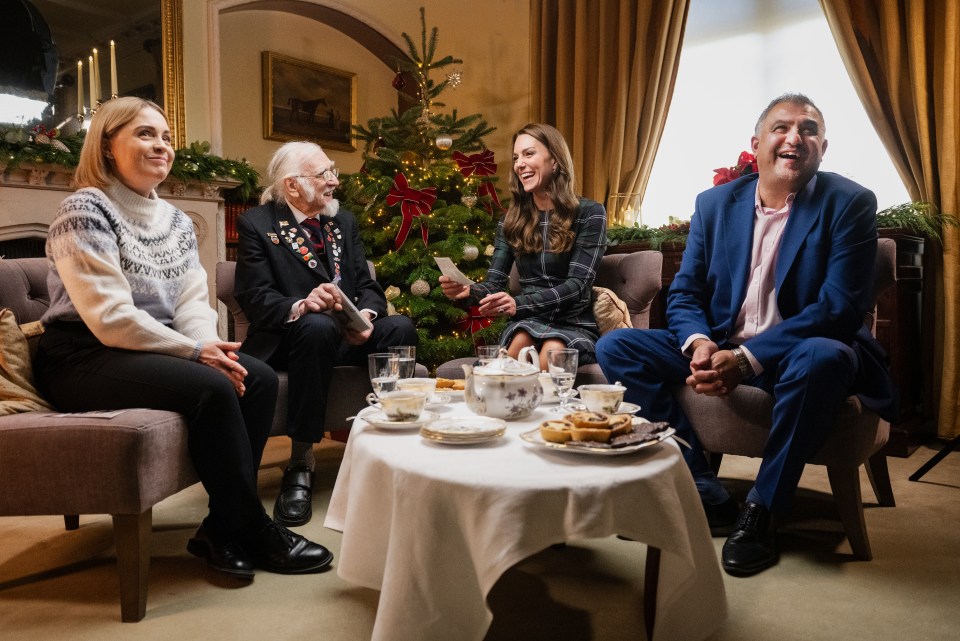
903	57
603	73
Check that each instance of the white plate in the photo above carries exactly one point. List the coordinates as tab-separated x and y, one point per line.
452	394
464	430
533	437
380	421
553	399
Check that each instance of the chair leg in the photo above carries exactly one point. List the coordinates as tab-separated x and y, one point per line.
132	534
845	484
879	477
651	581
71	521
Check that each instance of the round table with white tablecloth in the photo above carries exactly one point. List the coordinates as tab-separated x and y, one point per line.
433	526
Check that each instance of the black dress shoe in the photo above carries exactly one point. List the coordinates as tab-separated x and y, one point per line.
294	504
276	549
227	559
722	517
751	548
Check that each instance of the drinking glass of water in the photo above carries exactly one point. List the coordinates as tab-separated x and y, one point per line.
408	359
562	365
383	372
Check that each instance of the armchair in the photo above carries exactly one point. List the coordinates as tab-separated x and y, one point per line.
740	423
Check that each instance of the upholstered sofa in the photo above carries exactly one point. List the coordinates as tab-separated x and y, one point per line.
82	464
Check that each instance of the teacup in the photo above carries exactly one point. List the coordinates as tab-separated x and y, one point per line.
426	385
403	406
602	398
549	389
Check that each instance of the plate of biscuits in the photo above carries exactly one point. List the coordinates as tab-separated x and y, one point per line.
594	433
451	388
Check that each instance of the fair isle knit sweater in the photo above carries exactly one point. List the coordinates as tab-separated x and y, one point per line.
128	267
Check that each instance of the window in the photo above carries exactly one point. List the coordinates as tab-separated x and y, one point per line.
737	56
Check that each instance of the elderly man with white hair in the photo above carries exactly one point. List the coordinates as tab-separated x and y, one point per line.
295	249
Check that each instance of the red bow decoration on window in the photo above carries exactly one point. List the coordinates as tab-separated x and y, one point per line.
413	203
480	164
474	320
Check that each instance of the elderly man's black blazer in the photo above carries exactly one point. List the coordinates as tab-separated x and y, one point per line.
272	272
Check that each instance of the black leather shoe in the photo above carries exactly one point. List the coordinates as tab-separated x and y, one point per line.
276	549
294	503
722	517
227	559
751	548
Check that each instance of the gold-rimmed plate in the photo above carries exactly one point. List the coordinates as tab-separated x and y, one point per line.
380	421
464	430
534	438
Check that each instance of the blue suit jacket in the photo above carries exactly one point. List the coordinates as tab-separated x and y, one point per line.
824	275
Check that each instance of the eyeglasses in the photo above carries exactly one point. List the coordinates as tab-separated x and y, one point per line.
326	174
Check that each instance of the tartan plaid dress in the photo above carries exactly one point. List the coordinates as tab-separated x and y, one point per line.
556	297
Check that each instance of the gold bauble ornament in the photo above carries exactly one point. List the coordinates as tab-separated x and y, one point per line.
488	251
391	292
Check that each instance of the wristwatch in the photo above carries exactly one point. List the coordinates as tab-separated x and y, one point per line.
746	369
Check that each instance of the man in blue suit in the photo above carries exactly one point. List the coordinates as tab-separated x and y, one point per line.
772	291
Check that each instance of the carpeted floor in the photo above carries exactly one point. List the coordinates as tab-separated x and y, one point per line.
58	585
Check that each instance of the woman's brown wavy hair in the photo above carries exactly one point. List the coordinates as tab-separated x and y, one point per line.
520	225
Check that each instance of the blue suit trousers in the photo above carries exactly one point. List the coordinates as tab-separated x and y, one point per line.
809	387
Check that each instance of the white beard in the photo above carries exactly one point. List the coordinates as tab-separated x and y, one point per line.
330	209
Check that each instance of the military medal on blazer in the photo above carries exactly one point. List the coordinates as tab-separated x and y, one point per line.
296	243
299	245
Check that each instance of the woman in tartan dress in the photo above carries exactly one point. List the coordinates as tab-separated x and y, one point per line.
556	240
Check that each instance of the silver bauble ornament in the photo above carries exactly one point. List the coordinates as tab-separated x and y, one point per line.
470	252
444	142
420	288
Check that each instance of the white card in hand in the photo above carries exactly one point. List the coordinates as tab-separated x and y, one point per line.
447	268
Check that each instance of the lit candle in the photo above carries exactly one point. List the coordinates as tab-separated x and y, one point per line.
80	87
93	95
96	71
113	70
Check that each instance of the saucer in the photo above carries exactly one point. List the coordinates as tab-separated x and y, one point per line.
553	399
439	400
628	408
380	421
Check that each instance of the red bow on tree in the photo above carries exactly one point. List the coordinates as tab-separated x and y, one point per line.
474	320
413	203
480	164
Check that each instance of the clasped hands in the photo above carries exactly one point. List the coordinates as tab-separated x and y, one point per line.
498	304
713	371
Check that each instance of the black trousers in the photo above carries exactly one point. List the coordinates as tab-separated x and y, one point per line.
226	433
312	346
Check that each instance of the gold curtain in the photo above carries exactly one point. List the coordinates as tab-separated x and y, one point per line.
603	74
904	59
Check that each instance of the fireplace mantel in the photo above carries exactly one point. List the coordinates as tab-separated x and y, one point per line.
30	196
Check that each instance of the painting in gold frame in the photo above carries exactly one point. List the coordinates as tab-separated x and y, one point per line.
308	101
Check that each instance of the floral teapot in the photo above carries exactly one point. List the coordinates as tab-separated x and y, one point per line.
504	388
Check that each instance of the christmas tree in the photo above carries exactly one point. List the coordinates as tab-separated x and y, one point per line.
426	189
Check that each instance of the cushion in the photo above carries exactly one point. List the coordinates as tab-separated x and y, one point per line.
611	312
17	393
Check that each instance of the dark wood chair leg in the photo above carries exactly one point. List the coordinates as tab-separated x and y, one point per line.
845	484
651	579
879	476
715	458
132	534
71	521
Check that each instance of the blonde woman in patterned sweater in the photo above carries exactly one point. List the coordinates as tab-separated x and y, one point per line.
130	325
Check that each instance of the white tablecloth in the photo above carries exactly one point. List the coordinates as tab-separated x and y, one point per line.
434	526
